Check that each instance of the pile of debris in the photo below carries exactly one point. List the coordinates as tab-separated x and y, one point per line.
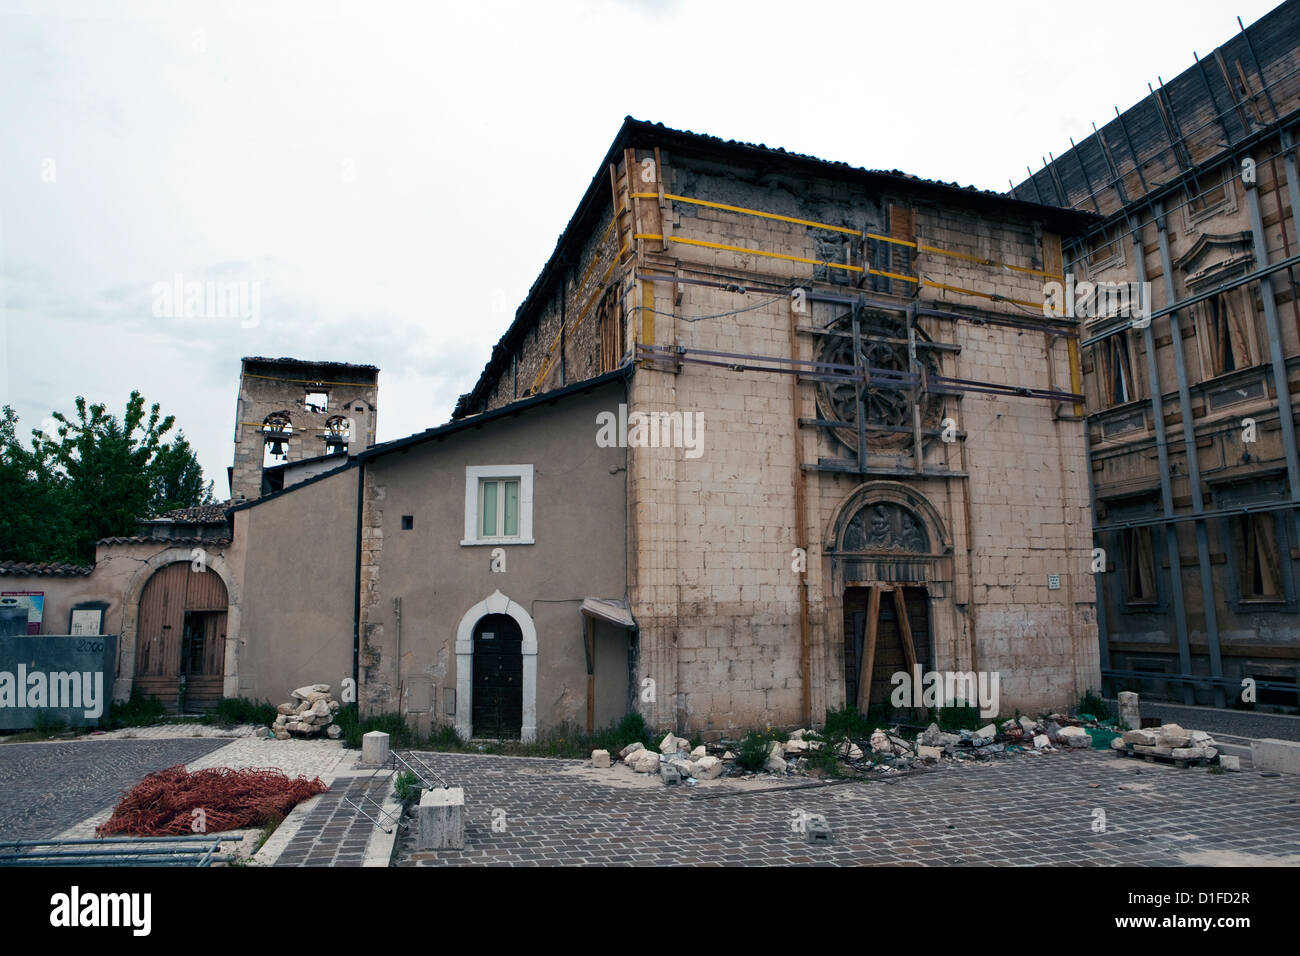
310	712
886	751
1172	742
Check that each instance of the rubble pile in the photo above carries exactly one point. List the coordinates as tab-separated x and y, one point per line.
310	713
1170	741
891	750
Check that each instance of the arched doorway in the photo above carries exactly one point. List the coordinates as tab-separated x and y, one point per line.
181	637
498	704
892	566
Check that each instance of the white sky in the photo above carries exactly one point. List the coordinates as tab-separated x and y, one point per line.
386	171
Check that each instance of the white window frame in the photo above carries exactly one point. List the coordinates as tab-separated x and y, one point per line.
474	474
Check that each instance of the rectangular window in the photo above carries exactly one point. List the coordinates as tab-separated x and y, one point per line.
1261	578
1227	335
1116	371
1139	563
498	504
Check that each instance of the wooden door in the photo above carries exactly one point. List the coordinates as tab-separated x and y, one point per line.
875	645
181	630
498	704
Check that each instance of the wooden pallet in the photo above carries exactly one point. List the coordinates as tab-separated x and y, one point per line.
1162	755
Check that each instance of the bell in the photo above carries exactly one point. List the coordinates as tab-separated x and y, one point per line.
277	447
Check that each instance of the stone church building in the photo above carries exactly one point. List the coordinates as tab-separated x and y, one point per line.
766	431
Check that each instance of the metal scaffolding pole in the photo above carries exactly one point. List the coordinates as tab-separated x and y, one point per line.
1194	483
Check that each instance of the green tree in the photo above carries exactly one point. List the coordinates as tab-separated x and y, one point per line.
97	476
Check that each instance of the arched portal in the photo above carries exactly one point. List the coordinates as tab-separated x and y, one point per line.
469	637
180	642
891	560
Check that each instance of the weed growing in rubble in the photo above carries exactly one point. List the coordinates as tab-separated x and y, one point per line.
847	722
959	717
753	749
138	711
1091	704
407	787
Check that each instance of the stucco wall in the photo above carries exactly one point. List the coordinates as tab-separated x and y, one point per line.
298	555
579	528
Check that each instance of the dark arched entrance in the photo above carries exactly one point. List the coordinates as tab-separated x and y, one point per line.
498	705
182	634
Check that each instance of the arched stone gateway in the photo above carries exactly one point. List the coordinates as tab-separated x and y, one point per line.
180	642
485	618
891	567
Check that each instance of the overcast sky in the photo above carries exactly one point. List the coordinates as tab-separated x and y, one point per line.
393	176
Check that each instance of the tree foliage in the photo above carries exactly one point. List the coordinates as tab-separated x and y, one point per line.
97	476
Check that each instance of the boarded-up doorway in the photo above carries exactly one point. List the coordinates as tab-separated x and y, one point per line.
498	705
182	632
876	644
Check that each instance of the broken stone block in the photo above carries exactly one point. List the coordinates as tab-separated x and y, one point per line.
334	704
1079	741
672	744
796	746
699	752
629	750
1200	738
707	768
988	730
1229	763
302	692
645	761
321	709
1129	713
1171	735
281	734
728	756
600	759
1143	738
929	754
880	742
775	764
1117	743
1042	741
850	750
798	734
285	709
333	731
816	829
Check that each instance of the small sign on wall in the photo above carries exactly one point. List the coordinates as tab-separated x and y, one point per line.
1053	582
33	601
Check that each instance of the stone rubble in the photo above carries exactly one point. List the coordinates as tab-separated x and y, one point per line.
888	750
309	714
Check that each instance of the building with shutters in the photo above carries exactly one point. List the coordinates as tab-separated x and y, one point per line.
1191	406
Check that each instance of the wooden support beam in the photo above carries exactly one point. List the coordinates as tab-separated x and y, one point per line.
905	629
868	651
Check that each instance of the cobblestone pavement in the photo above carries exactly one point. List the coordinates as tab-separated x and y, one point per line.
175	731
1013	811
333	832
48	787
1239	723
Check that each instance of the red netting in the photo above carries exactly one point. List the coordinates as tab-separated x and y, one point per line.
165	802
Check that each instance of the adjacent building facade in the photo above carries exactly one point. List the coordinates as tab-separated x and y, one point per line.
1191	396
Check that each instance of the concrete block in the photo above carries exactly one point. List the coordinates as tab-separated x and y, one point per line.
600	759
1280	755
440	819
374	748
1229	763
816	829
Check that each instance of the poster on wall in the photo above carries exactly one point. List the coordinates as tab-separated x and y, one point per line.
86	621
33	601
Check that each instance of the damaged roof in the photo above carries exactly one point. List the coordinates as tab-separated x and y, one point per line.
636	133
200	514
44	569
307	363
